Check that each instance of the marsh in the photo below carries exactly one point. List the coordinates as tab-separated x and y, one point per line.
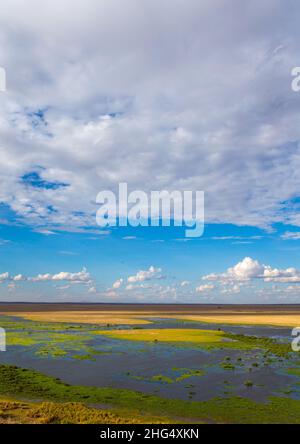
155	352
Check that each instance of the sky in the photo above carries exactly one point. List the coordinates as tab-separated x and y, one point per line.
161	95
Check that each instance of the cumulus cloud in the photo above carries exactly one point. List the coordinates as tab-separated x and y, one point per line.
19	277
82	276
142	275
249	269
4	276
117	284
7	277
210	108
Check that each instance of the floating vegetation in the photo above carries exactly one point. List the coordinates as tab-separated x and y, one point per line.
181	374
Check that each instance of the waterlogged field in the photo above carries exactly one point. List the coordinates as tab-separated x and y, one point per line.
72	366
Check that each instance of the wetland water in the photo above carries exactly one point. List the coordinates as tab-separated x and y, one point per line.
79	356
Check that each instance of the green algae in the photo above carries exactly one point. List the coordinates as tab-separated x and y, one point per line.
23	339
227	366
293	371
87	357
50	340
161	378
50	344
268	344
187	373
182	374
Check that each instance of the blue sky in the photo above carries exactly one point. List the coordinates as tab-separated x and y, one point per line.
121	253
169	95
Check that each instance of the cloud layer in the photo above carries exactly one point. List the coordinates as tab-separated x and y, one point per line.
79	277
166	95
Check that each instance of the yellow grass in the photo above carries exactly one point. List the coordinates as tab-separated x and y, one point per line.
279	320
19	412
166	335
285	318
82	317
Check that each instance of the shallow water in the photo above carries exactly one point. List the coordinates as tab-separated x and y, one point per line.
155	368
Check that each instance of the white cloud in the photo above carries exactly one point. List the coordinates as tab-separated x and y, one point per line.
19	277
209	109
184	283
205	288
142	275
277	275
63	287
130	287
117	284
244	270
249	269
111	294
82	276
234	289
4	276
44	231
240	238
291	235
